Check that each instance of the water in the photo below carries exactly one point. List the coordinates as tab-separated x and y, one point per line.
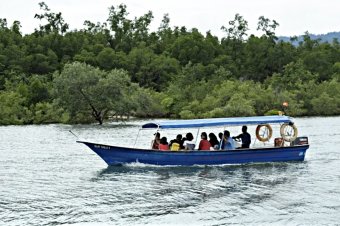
48	179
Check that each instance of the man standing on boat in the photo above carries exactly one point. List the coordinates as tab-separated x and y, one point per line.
245	137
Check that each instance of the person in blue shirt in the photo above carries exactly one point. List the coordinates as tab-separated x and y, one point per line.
227	143
245	137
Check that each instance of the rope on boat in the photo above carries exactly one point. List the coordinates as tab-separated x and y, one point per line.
73	134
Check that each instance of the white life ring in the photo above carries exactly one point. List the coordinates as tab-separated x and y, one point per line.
265	134
289	132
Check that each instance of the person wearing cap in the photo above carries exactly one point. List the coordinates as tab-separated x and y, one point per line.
155	143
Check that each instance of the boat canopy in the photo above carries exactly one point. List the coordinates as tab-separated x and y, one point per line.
215	122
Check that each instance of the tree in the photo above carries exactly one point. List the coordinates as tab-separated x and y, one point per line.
121	26
55	22
165	36
151	70
238	28
193	48
268	27
238	105
325	105
84	90
108	59
293	76
12	110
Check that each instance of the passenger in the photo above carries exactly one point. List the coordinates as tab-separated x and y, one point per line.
189	144
155	143
183	140
245	137
220	135
176	144
163	144
213	141
227	142
204	143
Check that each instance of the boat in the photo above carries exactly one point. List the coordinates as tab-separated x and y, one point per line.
288	147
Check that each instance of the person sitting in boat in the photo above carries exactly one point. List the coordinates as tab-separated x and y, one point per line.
220	135
227	142
204	143
177	143
244	137
189	144
163	145
183	140
213	141
155	143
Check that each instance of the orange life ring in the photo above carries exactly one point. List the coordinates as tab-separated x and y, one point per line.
267	133
290	135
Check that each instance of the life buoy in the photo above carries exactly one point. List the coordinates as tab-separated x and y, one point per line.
289	132
266	134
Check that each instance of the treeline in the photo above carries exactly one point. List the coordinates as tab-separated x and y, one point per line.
121	68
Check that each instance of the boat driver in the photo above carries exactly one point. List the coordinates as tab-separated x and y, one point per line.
244	137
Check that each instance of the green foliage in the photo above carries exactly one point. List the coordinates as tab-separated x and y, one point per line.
83	89
296	105
55	22
49	113
272	112
120	67
215	113
108	59
239	106
293	76
238	28
325	105
37	91
265	25
86	91
151	70
186	114
194	48
12	110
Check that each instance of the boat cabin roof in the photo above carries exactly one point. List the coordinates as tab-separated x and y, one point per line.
216	122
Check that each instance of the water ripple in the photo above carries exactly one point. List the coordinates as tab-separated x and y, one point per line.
48	179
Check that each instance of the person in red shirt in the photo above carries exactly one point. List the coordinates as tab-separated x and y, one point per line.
164	146
204	143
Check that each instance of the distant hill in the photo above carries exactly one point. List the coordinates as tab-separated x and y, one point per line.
329	37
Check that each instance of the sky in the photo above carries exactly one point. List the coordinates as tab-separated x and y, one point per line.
294	16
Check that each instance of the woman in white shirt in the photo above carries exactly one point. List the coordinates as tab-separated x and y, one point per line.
189	143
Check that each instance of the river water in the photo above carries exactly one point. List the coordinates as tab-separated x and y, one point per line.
46	178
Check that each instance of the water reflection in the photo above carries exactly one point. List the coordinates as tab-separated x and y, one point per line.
211	172
252	183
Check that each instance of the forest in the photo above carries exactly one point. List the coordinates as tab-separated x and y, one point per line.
119	68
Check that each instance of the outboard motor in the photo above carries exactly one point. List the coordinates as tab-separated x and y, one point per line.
299	141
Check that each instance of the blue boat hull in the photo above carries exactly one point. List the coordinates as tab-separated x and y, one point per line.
113	155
